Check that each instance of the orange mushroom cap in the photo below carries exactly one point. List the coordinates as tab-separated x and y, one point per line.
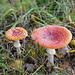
52	37
16	33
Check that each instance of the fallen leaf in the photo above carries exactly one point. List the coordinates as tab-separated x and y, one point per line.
30	64
63	51
72	42
72	51
29	67
65	66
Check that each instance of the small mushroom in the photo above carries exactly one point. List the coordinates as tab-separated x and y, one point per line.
16	34
51	37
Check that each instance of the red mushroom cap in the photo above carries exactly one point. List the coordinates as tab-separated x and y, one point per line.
52	37
16	33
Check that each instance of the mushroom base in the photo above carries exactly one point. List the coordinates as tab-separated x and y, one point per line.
18	50
50	55
17	45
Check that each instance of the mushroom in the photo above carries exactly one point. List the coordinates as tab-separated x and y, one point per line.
51	37
16	34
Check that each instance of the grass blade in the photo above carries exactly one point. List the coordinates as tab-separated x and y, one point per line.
21	18
2	64
39	68
7	13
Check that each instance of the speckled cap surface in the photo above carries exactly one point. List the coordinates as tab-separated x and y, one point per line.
16	33
52	37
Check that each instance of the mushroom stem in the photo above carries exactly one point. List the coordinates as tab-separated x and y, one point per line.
51	53
18	50
51	59
17	45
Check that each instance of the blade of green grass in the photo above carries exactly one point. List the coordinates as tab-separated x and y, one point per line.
40	19
4	71
6	13
2	64
25	72
1	31
52	16
21	18
39	68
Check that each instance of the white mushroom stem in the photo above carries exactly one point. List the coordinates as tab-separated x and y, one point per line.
17	45
50	54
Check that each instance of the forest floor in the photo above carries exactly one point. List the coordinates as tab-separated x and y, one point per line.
32	14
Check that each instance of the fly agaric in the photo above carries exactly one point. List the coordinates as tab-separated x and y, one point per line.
51	37
16	34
